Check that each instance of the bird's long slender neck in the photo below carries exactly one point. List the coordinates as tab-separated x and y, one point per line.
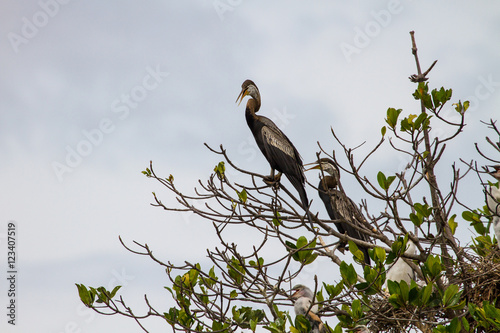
251	108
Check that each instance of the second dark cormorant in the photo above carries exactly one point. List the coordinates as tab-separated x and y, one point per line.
339	206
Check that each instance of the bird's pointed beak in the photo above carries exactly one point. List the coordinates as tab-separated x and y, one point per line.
242	95
295	295
496	172
315	166
496	169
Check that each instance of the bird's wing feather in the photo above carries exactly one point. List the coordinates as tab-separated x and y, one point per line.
278	143
283	156
348	210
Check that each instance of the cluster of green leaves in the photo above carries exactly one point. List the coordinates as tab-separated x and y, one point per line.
383	181
88	295
455	326
436	99
147	172
303	250
487	315
243	196
401	295
182	291
236	271
247	318
423	212
279	324
483	243
411	124
220	170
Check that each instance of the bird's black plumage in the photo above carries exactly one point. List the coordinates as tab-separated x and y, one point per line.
274	144
339	206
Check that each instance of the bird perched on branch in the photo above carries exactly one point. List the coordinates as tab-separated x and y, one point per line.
493	202
303	297
401	271
274	144
339	206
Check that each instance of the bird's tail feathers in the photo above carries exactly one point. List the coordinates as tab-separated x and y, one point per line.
365	254
303	196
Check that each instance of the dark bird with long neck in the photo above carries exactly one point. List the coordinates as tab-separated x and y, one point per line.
274	144
339	206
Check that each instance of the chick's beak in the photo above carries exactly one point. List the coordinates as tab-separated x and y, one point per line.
242	95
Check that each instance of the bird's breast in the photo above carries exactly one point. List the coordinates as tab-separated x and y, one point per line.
493	200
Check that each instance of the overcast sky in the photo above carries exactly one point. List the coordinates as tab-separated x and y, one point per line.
91	91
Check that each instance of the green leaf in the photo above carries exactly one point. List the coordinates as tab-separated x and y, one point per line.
338	328
242	195
220	170
348	273
333	291
419	120
86	296
415	219
305	254
276	219
476	222
395	300
256	265
236	271
392	117
380	254
113	292
253	325
356	309
422	93
461	108
414	294
451	298
423	210
453	225
389	181
426	293
233	294
383	130
302	324
405	291
440	96
381	180
432	267
466	105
